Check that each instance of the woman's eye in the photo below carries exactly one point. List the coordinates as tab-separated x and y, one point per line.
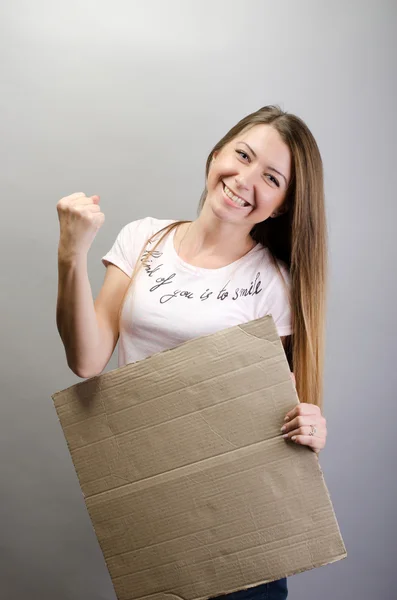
273	180
243	154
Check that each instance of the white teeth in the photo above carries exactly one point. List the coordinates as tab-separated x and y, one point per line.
235	198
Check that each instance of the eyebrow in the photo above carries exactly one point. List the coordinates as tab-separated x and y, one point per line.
268	167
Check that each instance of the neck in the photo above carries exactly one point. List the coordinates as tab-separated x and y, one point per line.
209	236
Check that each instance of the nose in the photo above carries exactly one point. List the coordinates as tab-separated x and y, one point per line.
241	182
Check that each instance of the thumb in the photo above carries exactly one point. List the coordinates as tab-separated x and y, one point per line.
95	199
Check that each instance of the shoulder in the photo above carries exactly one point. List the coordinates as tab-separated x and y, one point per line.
147	225
136	233
131	241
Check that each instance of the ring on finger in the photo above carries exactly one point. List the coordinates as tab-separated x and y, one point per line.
313	430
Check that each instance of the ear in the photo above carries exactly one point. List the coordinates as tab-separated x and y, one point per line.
280	211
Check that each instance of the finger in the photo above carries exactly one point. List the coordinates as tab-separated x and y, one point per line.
67	201
315	443
83	200
86	208
304	408
305	430
300	421
74	196
99	219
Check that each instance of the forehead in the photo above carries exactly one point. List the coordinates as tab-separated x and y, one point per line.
268	145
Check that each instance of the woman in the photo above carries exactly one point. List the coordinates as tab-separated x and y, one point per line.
257	247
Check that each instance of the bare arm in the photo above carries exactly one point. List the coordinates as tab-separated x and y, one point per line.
88	329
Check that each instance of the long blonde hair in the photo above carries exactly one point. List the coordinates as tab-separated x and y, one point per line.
298	238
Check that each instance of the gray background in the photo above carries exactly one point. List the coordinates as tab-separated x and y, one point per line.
125	100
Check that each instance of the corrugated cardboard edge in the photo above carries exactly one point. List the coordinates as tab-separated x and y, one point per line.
168	595
243	327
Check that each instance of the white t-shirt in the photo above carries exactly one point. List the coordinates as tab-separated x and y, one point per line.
172	301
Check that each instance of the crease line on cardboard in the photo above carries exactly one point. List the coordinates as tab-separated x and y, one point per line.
145	427
207	546
128	367
320	563
232	522
172	473
304	542
191	386
242	450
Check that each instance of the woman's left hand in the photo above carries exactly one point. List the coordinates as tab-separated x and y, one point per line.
305	425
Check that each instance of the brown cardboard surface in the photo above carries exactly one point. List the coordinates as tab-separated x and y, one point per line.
191	489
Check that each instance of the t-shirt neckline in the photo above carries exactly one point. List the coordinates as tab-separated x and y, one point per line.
204	270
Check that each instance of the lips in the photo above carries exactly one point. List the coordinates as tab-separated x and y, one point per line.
238	200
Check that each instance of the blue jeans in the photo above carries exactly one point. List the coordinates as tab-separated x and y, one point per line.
275	590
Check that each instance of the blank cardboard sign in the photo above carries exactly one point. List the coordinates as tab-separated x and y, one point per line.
191	489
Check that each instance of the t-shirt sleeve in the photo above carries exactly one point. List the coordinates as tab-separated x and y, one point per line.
278	302
129	243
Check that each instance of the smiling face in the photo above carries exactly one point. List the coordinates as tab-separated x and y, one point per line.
248	178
